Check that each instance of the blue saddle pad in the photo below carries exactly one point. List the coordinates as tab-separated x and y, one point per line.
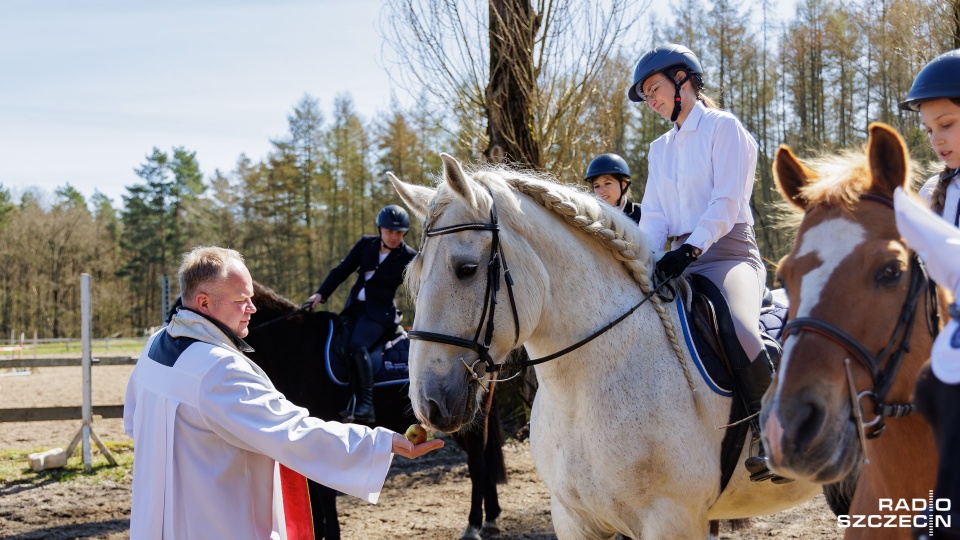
709	365
711	368
389	360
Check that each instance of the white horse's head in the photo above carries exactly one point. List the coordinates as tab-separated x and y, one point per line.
477	226
460	268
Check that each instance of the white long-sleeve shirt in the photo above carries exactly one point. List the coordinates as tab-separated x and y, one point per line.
700	179
951	198
209	428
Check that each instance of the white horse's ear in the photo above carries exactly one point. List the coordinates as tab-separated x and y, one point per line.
458	180
417	198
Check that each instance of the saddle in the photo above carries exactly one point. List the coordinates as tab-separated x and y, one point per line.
716	344
388	357
720	340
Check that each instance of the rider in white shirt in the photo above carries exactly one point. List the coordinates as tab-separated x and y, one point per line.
935	94
697	198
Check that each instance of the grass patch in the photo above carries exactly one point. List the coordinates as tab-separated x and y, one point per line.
15	465
106	347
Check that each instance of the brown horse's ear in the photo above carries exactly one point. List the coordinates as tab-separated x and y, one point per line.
792	176
417	198
889	159
458	180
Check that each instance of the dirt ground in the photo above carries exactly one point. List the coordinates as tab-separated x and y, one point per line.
423	499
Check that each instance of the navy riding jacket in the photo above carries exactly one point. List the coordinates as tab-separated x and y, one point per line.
632	210
382	285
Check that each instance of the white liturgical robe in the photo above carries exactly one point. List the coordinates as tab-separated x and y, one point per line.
209	428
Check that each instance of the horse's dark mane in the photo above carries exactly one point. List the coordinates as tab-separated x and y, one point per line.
270	300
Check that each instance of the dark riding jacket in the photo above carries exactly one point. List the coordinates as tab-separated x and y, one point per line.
382	285
632	210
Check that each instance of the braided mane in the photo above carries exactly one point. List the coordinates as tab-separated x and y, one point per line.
604	223
607	225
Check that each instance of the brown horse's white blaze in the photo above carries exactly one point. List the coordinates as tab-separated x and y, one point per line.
820	443
850	272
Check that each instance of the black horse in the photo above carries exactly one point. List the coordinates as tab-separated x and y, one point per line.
290	345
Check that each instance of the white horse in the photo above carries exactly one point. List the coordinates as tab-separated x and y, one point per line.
626	440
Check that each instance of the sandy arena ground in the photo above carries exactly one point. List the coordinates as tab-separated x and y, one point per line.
423	499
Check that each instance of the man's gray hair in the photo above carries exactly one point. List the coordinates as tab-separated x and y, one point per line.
203	264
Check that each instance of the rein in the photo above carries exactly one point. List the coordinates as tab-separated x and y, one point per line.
496	267
882	376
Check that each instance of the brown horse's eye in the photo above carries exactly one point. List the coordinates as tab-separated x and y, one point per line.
890	274
466	270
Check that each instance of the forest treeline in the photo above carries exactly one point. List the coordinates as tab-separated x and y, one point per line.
814	82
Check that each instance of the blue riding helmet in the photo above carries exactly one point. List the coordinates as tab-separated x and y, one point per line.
394	218
607	164
940	78
662	58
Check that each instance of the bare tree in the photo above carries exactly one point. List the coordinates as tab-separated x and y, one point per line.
517	74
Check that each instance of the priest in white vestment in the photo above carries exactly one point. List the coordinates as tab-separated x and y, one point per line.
210	429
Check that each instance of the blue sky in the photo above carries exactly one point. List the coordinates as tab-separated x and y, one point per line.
88	88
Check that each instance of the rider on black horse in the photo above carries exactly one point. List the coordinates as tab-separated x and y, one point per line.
370	310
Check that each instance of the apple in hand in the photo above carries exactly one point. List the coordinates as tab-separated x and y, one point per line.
416	434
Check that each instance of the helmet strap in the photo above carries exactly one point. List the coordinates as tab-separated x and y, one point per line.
624	186
676	96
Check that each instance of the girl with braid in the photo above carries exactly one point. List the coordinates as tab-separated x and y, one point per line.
936	95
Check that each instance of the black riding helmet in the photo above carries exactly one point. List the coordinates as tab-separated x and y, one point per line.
665	59
613	165
393	217
940	78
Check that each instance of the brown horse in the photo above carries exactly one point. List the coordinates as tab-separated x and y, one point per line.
863	316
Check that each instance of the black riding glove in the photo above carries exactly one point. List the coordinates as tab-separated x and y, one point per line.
673	263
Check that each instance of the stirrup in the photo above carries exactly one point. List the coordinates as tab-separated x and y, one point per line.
371	419
760	471
348	414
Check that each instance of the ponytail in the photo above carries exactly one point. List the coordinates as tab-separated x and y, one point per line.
708	101
938	196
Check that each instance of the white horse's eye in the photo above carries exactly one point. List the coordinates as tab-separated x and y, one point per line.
466	270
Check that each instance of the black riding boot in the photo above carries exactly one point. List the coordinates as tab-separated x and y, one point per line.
363	386
752	382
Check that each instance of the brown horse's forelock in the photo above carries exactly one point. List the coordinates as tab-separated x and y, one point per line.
845	177
842	180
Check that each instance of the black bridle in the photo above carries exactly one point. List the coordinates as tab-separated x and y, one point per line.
497	263
883	367
496	267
